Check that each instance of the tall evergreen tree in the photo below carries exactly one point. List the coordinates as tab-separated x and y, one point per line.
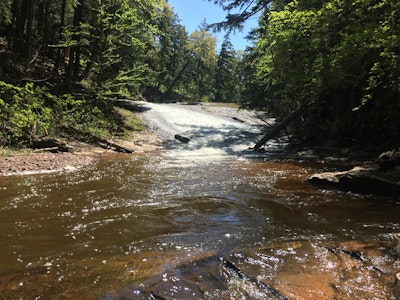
201	64
171	53
227	83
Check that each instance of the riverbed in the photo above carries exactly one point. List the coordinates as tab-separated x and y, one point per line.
205	219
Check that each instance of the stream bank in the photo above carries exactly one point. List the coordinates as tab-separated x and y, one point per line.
81	155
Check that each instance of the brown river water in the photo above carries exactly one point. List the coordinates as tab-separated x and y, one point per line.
173	226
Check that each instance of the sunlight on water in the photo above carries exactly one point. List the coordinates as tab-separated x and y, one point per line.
205	154
130	219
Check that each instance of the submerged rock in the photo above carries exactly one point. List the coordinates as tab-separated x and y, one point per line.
389	159
287	270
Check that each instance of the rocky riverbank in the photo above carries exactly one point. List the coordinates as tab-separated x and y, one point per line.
379	178
81	155
43	163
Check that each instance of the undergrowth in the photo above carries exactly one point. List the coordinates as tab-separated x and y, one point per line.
32	110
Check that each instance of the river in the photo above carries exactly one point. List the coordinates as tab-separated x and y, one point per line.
207	219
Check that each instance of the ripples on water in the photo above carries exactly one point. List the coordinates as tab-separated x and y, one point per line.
77	235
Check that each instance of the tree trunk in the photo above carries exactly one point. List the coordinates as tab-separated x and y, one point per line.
75	57
29	31
77	63
21	18
278	127
12	34
42	18
60	35
71	58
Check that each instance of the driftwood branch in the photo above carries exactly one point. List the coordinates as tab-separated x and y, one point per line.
36	55
37	80
50	149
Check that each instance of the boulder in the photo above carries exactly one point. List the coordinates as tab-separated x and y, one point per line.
364	180
389	159
182	138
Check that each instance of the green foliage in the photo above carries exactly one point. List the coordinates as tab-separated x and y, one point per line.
199	74
340	56
125	40
227	79
83	115
23	112
6	15
170	52
33	110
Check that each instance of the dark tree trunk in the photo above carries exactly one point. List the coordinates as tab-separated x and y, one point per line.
77	62
75	54
12	34
279	127
21	19
60	35
29	31
70	62
42	23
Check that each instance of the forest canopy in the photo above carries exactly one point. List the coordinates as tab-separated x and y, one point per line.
340	59
65	63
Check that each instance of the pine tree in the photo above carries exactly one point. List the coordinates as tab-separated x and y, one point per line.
227	83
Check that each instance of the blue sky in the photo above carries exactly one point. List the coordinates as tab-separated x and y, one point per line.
193	12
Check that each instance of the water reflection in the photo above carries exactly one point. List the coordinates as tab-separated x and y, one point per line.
77	235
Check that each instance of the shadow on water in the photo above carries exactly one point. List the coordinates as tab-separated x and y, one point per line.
193	223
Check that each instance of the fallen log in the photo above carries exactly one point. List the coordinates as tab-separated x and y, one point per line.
51	149
103	143
46	143
280	126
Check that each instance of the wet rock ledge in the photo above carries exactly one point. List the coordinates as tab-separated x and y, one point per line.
285	271
380	178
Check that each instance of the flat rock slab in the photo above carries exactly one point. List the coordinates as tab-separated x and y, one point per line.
365	180
288	270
